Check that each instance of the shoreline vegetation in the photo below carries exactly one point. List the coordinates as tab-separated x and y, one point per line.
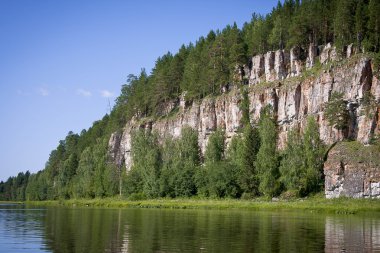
315	204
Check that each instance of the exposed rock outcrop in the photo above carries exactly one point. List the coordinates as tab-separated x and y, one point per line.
352	170
296	64
312	54
258	69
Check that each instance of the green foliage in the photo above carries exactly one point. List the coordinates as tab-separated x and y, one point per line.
15	187
133	183
85	185
256	34
222	180
218	178
147	161
293	164
336	111
314	154
180	162
344	23
242	154
267	156
244	107
373	34
361	20
215	147
302	160
369	104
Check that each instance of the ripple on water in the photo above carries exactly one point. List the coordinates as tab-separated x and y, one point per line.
21	229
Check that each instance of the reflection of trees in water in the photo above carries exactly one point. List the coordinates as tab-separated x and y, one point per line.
352	234
146	230
222	231
83	230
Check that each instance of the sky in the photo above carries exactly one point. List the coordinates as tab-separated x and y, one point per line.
62	63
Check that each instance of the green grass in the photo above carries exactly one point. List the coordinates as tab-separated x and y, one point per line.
355	152
313	204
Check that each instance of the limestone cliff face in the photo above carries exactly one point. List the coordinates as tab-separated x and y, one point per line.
352	170
282	79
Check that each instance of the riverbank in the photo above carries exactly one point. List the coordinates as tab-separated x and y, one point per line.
313	204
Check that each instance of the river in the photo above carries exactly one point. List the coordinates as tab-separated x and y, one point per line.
62	229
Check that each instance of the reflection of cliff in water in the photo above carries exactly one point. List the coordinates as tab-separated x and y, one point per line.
222	231
352	234
161	230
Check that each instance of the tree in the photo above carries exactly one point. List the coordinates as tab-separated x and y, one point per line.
267	156
146	157
85	176
257	34
302	160
314	154
336	111
217	178
344	23
237	52
361	19
244	107
248	174
215	147
218	64
180	161
293	163
100	167
373	43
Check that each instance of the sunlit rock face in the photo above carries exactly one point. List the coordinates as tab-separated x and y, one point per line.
352	171
293	92
257	70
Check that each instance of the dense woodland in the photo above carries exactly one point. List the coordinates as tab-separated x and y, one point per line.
251	166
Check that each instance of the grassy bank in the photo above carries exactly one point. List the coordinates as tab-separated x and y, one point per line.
314	204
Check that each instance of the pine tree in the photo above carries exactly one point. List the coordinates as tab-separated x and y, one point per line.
336	111
344	23
250	147
361	19
374	26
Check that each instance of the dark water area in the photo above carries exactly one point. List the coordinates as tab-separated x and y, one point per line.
62	229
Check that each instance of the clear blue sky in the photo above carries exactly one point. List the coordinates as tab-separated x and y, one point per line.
62	61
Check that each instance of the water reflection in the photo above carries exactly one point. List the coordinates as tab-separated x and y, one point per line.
144	230
352	234
222	231
21	230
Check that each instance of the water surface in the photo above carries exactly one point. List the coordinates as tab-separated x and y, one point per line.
62	229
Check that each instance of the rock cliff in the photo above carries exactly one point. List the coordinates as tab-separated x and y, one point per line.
296	83
352	170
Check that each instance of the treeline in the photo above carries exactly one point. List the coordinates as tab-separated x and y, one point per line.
14	188
251	165
200	69
79	166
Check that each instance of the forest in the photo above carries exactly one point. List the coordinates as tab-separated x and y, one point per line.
251	166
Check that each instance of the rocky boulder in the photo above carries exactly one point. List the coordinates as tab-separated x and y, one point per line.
352	170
